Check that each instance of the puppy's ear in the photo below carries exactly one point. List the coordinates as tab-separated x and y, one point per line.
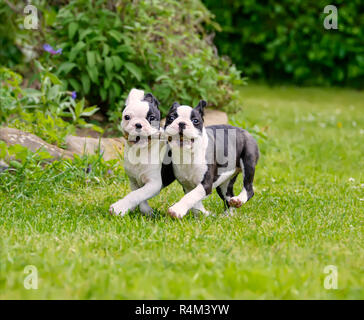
134	95
200	107
151	99
171	110
174	107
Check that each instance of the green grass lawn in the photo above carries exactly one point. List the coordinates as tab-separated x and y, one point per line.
307	213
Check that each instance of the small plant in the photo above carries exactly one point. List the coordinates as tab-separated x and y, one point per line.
52	129
10	92
27	170
42	111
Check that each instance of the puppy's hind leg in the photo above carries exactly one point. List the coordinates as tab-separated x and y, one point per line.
199	207
145	208
247	165
226	192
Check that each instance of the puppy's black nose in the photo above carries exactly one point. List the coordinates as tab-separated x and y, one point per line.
138	126
182	126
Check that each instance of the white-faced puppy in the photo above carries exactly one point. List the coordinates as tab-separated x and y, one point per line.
142	159
208	158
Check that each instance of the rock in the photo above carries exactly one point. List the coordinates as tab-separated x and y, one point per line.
211	117
98	116
87	132
13	136
112	148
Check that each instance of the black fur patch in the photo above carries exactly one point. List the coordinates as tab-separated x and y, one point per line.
172	114
167	168
245	148
197	115
153	115
196	119
201	107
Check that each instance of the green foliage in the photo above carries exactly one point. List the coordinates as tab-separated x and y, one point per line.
286	40
157	45
26	167
52	129
22	159
41	111
10	54
10	91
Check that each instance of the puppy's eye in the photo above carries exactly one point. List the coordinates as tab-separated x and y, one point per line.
195	121
171	118
152	118
127	117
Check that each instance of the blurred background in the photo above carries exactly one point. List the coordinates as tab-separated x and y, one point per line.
286	42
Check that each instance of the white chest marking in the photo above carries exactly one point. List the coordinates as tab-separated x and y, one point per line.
148	166
190	167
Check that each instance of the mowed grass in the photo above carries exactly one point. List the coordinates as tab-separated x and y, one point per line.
307	213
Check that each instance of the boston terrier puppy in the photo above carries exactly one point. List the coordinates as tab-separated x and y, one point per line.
143	153
208	158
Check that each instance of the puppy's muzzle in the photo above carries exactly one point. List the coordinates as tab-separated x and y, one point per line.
181	139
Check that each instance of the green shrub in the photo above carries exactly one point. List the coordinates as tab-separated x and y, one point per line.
157	45
24	167
10	93
111	47
10	54
41	111
286	40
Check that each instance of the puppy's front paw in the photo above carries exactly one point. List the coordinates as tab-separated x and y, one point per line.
235	202
119	208
176	212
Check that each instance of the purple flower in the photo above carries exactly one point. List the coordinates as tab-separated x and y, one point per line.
73	95
47	47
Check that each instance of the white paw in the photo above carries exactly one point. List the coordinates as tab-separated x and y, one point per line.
176	212
119	208
235	202
239	200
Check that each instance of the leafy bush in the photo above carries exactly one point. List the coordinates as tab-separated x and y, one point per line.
52	129
41	111
110	47
10	92
286	40
10	55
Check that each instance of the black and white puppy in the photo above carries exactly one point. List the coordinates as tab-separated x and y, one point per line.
142	153
208	158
